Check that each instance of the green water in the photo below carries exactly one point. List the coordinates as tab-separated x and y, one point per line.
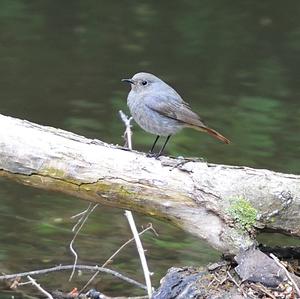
236	62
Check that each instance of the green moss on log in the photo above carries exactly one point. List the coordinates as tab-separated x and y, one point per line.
243	212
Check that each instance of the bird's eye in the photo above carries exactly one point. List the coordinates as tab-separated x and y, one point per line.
144	83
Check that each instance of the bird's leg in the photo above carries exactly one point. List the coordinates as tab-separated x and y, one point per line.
163	147
152	148
150	154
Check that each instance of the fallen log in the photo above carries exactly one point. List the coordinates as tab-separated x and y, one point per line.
225	205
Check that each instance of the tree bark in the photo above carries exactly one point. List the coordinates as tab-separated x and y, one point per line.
201	198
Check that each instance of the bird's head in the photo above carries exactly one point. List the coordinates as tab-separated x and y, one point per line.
143	82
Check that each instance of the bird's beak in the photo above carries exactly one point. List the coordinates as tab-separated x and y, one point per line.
128	81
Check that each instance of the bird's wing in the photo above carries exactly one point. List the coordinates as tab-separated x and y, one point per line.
169	107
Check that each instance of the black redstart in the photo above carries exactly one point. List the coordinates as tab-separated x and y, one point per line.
160	110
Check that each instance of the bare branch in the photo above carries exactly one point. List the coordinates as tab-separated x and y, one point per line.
128	132
286	272
91	294
78	267
81	215
129	216
141	252
150	227
83	219
38	286
236	284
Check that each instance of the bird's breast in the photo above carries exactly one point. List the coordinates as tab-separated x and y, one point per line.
150	120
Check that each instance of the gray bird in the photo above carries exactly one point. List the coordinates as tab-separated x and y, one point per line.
160	110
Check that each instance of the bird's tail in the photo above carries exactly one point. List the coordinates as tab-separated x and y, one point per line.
213	133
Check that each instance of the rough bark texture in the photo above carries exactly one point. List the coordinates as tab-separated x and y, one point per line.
210	201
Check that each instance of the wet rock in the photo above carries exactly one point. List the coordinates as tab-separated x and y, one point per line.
255	266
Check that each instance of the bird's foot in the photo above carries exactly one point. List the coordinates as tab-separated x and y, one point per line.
157	156
153	155
150	155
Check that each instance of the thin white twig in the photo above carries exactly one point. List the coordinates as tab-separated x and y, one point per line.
82	215
277	261
126	243
83	219
23	283
129	216
141	251
39	287
150	227
128	132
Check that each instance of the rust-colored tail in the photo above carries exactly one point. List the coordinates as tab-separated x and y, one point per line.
212	132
